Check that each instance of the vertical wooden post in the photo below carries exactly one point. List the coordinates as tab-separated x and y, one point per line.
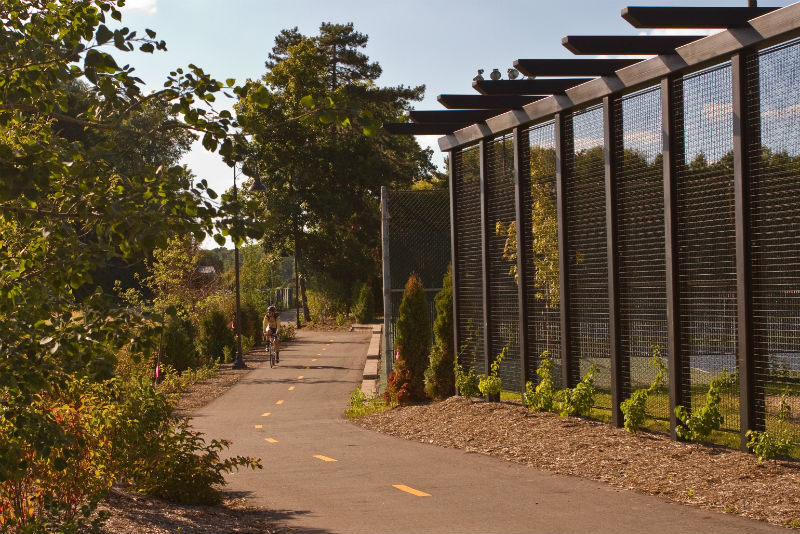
562	144
387	282
523	227
618	362
748	414
672	153
485	254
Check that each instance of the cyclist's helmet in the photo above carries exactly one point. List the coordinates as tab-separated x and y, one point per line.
272	309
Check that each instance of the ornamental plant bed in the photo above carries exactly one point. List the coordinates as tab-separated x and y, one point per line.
706	476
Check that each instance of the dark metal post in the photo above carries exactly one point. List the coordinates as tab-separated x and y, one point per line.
522	220
618	361
748	413
239	363
297	299
485	253
563	249
387	282
672	151
454	247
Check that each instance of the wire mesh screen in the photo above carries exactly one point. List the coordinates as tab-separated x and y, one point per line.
469	269
418	241
538	190
774	162
502	261
640	241
588	259
706	234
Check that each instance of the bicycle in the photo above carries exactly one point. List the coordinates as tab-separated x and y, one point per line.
271	351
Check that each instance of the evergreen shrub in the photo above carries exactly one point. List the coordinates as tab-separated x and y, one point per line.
439	376
215	334
364	307
413	343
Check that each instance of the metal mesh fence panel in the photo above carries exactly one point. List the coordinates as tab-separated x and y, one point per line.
418	241
538	189
640	241
588	259
774	162
469	269
706	234
503	294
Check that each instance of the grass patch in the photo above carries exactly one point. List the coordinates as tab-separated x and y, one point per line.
361	405
174	382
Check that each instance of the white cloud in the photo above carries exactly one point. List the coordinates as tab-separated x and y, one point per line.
717	111
587	143
788	112
148	7
642	138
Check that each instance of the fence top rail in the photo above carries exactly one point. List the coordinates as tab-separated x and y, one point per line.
781	24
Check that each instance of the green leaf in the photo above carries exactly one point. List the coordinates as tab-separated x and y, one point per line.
147	47
307	101
219	239
103	34
261	97
230	82
150	33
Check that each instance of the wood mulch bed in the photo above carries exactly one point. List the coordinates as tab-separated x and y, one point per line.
706	476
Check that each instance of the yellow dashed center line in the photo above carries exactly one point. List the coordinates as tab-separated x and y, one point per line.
279	402
271	440
313	359
300	377
412	491
259	426
320	354
265	414
307	367
324	458
291	388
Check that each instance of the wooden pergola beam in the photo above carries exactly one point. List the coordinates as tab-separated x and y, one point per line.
554	86
571	67
411	128
496	102
452	116
626	44
692	17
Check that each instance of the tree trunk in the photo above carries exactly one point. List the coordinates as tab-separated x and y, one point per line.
304	299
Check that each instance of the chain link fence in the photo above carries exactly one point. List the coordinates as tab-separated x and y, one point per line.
416	240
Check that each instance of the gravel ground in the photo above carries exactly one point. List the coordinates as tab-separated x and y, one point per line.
711	477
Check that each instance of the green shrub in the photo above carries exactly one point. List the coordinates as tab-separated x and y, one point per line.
364	307
491	384
466	383
251	324
324	305
287	332
767	445
413	337
361	405
542	397
247	344
178	347
580	399
439	376
634	408
174	382
698	425
215	334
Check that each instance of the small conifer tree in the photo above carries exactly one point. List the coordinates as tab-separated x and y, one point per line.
439	376
413	337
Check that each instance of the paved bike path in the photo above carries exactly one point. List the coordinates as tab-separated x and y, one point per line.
324	474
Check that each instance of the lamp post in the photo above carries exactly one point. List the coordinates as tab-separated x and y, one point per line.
257	186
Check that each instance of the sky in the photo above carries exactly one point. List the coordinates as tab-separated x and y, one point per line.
434	43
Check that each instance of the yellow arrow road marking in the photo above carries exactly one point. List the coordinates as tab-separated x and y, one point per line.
412	491
265	414
271	440
259	426
279	402
324	458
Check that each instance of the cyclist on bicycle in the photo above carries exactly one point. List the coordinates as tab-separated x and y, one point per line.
272	327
